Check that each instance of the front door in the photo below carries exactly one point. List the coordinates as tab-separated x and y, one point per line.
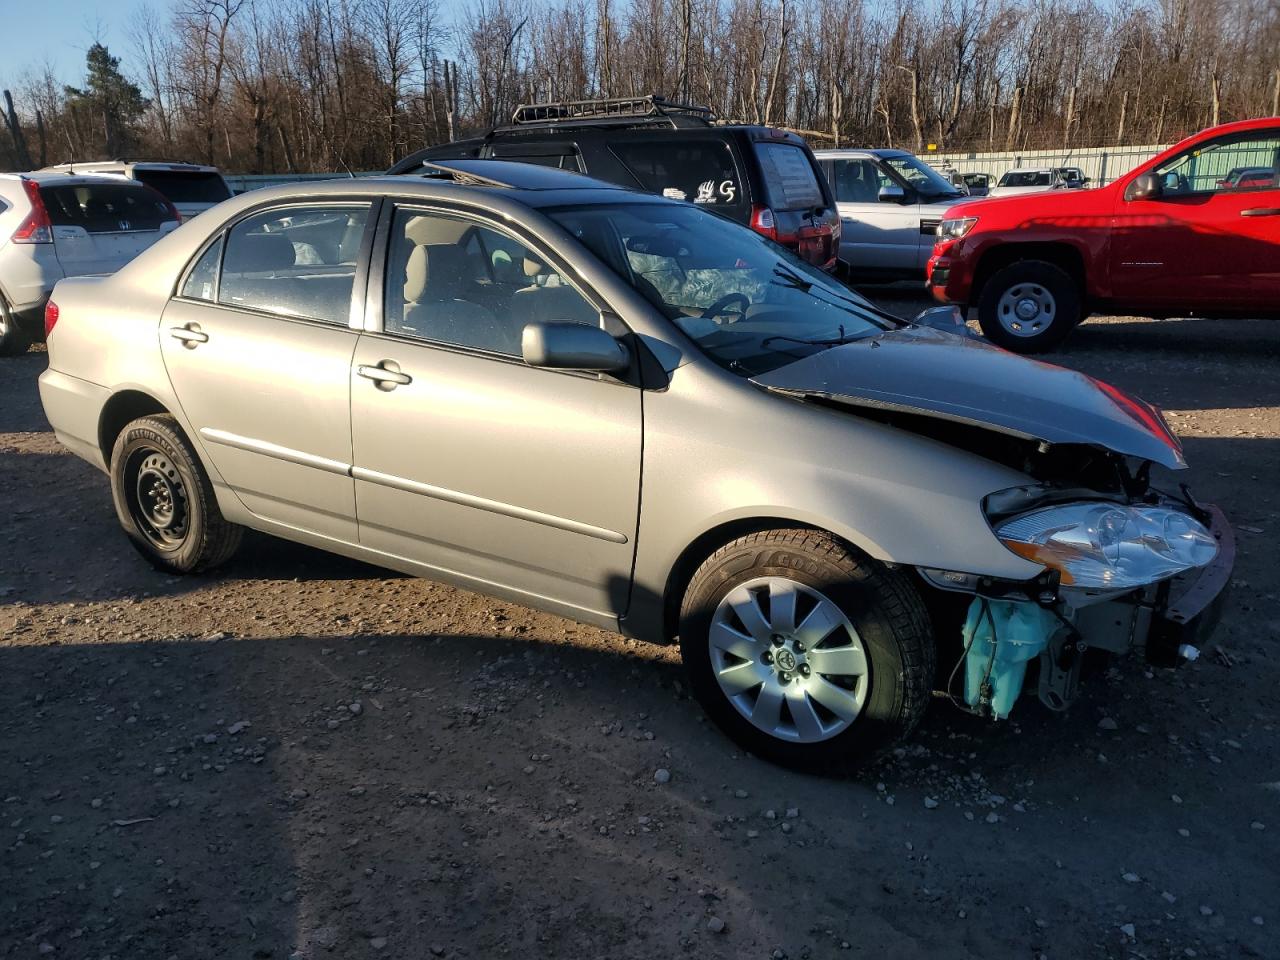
258	345
1211	240
875	235
466	459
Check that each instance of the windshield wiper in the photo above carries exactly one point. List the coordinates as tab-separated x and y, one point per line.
818	341
793	280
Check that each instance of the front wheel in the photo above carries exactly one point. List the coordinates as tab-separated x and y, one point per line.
805	652
164	499
1029	306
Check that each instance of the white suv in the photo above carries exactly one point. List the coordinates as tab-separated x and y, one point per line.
55	225
191	187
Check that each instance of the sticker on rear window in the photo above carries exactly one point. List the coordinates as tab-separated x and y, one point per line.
708	192
674	193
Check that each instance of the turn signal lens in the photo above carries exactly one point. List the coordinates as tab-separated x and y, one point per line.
50	317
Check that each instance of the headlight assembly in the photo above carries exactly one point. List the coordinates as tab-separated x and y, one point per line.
1110	546
955	228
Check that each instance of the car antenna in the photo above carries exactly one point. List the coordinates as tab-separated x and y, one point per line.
346	168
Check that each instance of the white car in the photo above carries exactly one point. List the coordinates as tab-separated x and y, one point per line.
55	225
1038	180
191	187
890	204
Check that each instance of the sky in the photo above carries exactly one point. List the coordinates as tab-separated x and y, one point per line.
59	31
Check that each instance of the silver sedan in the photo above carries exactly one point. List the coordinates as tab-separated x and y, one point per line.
632	412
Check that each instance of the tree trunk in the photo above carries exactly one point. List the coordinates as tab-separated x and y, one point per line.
1275	95
1015	119
15	131
1124	111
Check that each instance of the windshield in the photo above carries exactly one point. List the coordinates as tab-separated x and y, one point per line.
749	304
922	177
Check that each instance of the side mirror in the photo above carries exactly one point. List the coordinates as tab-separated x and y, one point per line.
1146	186
946	319
569	345
892	193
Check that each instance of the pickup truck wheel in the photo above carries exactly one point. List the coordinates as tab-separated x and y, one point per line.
805	652
1029	307
164	499
13	339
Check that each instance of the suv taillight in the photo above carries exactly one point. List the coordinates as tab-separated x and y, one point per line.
763	222
50	317
35	226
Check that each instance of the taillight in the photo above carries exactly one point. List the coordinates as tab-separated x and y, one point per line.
762	222
50	317
35	227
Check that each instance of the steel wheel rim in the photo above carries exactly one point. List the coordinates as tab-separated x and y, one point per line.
157	498
1026	309
788	659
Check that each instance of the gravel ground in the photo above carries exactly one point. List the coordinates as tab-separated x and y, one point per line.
302	756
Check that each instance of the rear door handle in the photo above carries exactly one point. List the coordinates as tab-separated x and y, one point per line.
190	335
386	374
1261	212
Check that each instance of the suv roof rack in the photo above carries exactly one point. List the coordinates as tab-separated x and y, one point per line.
653	108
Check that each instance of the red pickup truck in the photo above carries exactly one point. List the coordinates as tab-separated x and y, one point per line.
1172	238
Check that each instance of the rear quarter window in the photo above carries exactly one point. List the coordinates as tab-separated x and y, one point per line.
789	176
105	207
701	171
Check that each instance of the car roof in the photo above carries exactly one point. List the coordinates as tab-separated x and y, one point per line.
53	177
512	175
882	153
175	165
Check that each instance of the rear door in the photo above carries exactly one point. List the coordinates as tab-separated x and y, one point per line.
1201	246
258	345
799	204
98	227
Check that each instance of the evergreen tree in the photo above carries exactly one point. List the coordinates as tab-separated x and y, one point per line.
108	98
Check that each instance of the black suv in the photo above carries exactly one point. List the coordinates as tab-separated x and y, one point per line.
765	178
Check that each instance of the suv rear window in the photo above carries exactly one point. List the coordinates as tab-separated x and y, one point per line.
791	179
701	171
105	207
186	187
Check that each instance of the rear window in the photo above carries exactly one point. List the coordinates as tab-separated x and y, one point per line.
105	207
185	187
1027	178
791	179
700	171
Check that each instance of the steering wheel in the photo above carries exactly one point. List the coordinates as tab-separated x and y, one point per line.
720	305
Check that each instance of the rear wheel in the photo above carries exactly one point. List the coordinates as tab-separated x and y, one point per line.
805	652
13	339
164	499
1029	306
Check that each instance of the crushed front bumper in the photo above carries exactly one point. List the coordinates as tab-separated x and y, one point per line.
1189	607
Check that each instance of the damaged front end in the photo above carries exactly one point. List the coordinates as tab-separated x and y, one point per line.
1145	574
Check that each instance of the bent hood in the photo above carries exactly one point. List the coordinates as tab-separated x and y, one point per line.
929	372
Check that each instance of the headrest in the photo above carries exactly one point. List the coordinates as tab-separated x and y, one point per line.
435	271
258	253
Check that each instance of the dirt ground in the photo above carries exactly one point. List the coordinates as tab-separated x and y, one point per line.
302	756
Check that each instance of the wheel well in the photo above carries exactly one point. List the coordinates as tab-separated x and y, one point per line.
702	547
1059	254
121	410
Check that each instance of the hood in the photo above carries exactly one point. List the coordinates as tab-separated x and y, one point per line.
922	371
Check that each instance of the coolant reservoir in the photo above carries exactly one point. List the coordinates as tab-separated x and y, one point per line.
1001	636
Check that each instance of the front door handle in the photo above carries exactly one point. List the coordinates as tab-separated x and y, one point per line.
386	374
190	335
1261	212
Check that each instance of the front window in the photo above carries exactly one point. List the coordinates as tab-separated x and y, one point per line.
922	178
1249	161
749	304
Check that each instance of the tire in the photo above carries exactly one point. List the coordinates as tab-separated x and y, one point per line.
13	339
880	627
164	499
1053	306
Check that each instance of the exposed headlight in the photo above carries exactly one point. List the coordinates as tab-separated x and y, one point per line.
1105	545
956	228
